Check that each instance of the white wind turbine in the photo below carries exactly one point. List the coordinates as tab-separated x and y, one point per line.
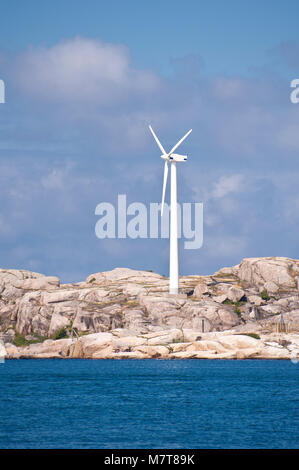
173	158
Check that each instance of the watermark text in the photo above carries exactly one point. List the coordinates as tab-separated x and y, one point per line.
2	92
136	221
294	96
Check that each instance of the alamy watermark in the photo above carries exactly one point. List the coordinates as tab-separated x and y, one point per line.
294	96
295	356
137	221
2	91
2	352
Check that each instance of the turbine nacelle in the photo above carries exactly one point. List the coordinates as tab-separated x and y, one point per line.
174	157
177	158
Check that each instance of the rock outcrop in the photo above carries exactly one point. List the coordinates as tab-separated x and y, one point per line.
260	295
165	344
271	274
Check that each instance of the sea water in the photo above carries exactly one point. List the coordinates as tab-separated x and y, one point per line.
81	403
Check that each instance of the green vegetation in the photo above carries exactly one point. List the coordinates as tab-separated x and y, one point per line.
39	338
60	334
181	339
21	341
252	335
265	295
237	311
92	280
236	305
70	326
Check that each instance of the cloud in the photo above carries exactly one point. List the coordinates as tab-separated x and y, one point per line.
75	134
83	70
226	185
55	179
94	86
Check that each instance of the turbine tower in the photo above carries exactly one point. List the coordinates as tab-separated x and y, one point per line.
173	158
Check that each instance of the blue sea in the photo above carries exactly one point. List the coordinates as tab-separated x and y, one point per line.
81	403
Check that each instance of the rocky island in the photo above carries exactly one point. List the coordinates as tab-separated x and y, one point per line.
250	310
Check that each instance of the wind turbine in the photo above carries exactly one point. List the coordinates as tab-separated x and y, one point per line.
173	158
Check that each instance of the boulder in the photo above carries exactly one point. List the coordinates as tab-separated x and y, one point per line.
47	349
255	299
270	352
164	337
272	309
12	352
239	342
200	289
220	298
87	345
235	294
57	323
258	271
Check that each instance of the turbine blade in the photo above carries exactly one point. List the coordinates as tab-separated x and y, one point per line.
164	185
179	142
158	141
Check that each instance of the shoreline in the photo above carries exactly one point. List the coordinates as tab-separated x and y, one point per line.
148	359
166	344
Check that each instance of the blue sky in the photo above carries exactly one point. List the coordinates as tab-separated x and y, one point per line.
83	80
231	36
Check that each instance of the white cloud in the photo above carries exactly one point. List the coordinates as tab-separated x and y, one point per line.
82	69
55	179
96	83
82	100
226	185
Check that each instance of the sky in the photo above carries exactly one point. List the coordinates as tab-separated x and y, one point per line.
83	79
